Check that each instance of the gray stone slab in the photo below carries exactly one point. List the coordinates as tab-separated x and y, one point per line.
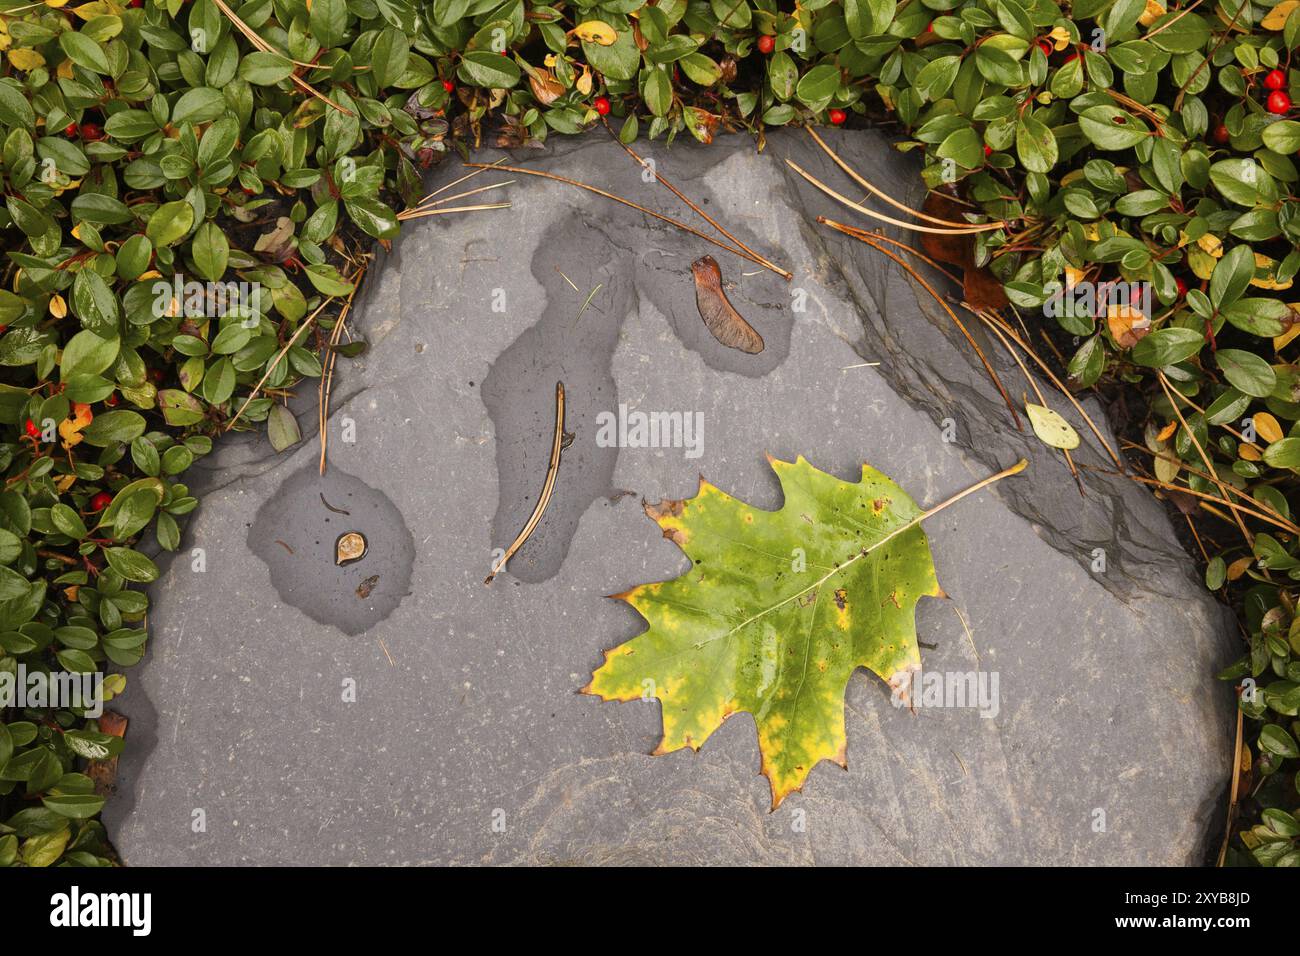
468	743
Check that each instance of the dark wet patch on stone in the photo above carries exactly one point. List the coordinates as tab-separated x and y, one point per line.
762	299
626	259
296	534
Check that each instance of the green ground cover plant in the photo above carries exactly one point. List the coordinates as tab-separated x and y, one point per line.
255	145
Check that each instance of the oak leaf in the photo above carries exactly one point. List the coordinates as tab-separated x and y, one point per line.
776	612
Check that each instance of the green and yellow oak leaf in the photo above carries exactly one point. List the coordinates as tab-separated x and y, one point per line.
775	613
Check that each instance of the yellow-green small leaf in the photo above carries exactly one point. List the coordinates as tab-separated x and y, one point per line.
1051	427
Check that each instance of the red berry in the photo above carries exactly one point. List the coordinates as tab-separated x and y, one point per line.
988	150
766	44
1221	134
929	27
111	401
156	374
101	501
91	131
1278	102
448	85
136	3
31	429
70	129
1045	46
3	329
1182	287
1275	80
601	105
1072	57
837	117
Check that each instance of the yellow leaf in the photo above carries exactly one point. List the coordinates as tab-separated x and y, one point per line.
1152	13
1051	427
1212	244
1060	38
1248	452
70	428
584	82
1238	567
1202	262
1073	276
1167	466
1267	427
58	308
1277	17
26	60
88	11
1167	431
1280	342
596	31
1269	267
64	71
55	3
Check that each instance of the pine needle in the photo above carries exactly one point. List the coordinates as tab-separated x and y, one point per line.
265	47
870	240
735	250
659	178
935	230
857	178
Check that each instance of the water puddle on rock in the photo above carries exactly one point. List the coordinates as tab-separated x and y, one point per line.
297	533
622	263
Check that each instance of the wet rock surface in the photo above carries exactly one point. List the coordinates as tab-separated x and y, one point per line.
448	728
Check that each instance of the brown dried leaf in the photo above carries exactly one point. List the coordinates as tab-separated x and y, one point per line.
1127	325
720	317
103	773
276	245
983	291
951	250
506	132
546	88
